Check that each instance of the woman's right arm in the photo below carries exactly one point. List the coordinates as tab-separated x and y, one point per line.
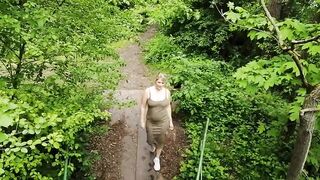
144	109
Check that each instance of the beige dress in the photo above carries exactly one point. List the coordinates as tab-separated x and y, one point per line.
158	120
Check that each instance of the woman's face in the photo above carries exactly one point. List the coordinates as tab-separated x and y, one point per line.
159	84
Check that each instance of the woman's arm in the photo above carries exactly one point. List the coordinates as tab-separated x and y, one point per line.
169	110
144	109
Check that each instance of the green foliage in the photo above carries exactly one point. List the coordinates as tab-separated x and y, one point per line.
209	93
243	127
246	36
280	71
161	48
44	121
39	35
200	29
56	61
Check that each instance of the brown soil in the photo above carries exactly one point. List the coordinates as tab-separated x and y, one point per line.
173	150
108	146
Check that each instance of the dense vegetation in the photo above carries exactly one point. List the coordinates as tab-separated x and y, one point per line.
250	81
56	59
227	65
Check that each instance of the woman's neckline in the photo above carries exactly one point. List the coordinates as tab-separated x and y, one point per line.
158	91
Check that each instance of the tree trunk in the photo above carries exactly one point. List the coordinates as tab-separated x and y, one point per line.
287	9
274	8
307	123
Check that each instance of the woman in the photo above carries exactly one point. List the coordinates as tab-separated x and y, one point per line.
156	116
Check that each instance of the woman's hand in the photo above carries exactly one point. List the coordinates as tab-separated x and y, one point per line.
171	127
143	125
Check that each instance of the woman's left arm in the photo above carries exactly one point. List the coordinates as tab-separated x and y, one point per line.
169	110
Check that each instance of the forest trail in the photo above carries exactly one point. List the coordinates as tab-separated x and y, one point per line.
124	153
135	157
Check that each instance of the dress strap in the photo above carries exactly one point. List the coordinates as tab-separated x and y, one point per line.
166	93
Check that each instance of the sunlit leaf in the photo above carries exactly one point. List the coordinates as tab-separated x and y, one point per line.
3	137
5	120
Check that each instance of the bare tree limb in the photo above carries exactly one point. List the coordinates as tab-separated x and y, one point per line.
270	18
306	40
295	57
302	111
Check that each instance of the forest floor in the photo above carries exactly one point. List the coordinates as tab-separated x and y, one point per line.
123	151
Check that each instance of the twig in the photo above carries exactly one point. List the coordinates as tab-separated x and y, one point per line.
302	111
306	40
280	41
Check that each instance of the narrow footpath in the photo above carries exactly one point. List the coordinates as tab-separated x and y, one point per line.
124	152
135	155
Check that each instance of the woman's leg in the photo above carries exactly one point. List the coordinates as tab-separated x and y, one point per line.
158	152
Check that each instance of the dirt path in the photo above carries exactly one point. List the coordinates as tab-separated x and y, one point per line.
124	152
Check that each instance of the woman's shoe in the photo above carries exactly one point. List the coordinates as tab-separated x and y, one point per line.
156	166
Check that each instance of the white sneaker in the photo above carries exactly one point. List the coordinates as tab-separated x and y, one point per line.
156	166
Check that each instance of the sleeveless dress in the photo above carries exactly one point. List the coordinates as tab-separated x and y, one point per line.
157	121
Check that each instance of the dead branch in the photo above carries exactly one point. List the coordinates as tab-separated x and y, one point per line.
306	40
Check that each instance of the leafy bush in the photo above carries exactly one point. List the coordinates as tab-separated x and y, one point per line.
161	48
243	141
44	124
56	61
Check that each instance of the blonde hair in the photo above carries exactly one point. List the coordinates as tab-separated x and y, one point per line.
161	76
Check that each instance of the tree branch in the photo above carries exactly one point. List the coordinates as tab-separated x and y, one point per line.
270	18
291	51
308	110
4	43
259	30
306	40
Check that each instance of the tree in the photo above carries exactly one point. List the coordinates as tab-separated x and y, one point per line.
307	115
285	34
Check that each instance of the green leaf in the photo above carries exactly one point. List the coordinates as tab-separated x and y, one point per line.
31	131
24	150
261	128
230	5
3	137
262	35
294	113
232	16
313	68
56	145
16	149
286	33
5	120
301	92
313	50
307	45
252	35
